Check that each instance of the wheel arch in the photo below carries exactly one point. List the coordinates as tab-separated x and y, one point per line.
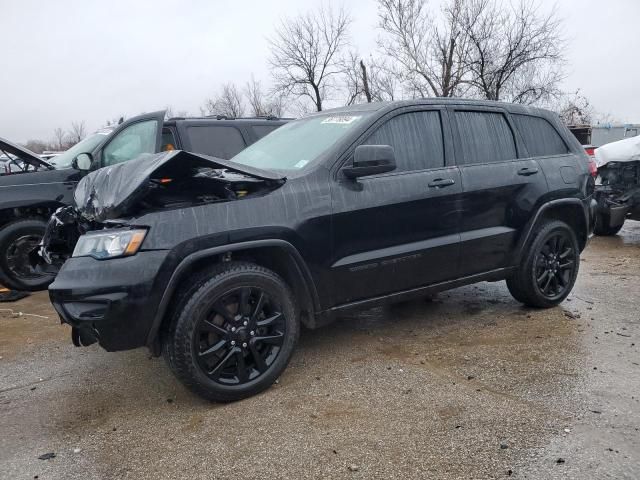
36	209
569	210
279	256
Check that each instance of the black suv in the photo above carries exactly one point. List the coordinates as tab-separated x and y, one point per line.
218	267
27	201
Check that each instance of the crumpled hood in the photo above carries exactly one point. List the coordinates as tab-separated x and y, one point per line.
109	192
627	150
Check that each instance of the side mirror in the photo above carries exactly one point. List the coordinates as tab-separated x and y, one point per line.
371	160
82	162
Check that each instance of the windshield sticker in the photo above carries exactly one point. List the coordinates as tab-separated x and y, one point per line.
301	164
341	119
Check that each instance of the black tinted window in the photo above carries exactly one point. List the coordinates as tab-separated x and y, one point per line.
416	138
484	137
262	130
539	136
218	141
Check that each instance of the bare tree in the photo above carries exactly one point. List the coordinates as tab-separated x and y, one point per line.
574	109
77	133
368	81
432	54
516	52
228	102
355	78
59	139
38	146
261	104
305	54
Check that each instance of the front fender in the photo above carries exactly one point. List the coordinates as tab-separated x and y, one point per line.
184	267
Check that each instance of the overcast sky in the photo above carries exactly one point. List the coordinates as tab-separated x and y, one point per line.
68	60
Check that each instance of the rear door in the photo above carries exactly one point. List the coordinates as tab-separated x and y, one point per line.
138	135
398	230
500	190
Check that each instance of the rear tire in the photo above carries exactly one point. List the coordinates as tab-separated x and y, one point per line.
234	332
549	267
602	228
17	239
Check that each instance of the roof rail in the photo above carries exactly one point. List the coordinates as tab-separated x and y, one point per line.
224	117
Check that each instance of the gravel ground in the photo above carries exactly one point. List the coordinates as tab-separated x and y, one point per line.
468	385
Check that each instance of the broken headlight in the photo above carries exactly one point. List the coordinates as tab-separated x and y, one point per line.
109	244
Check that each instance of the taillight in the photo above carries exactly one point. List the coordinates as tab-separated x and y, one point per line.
593	167
590	151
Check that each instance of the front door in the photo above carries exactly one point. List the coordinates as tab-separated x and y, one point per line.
138	135
398	230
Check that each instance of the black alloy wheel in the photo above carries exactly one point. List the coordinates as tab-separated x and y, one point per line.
555	265
233	331
240	338
18	241
549	266
17	257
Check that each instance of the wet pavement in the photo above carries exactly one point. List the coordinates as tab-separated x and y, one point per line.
468	385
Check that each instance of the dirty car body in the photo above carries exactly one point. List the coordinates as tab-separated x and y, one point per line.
340	210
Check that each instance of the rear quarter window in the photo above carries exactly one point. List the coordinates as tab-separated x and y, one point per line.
484	137
218	141
540	137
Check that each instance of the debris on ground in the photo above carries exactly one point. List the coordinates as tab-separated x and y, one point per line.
47	456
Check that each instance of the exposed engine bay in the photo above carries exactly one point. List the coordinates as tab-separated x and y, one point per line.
619	189
169	180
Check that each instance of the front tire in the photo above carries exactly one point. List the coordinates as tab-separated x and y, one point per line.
17	240
549	267
234	333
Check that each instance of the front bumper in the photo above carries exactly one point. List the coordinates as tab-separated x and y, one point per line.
113	302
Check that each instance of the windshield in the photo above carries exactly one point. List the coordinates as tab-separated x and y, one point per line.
298	143
85	146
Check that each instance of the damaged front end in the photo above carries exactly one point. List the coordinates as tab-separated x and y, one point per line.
618	184
618	192
108	198
111	277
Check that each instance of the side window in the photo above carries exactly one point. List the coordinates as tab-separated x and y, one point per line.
168	140
217	141
484	137
131	142
262	130
416	139
539	136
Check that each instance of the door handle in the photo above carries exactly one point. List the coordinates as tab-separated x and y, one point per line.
441	182
526	171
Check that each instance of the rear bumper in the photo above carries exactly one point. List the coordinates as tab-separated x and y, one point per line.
112	301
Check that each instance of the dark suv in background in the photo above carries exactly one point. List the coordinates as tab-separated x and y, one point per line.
340	210
28	199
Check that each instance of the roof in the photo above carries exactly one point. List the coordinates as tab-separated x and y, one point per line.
375	106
